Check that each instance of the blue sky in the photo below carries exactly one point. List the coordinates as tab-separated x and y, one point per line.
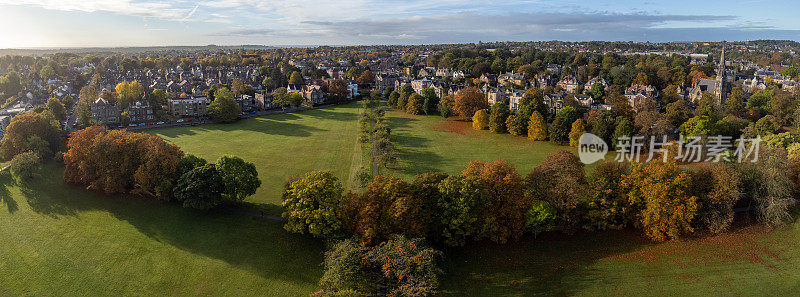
76	23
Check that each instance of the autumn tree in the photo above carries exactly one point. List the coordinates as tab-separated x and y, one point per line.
718	188
607	206
366	79
578	128
662	191
415	104
388	206
296	79
459	210
128	93
313	204
561	182
468	101
560	128
480	121
504	219
224	108
537	128
23	126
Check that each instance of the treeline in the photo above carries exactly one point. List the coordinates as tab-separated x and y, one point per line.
122	162
492	201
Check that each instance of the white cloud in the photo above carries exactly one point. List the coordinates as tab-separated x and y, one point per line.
157	9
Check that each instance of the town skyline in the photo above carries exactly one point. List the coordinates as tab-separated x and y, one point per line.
126	23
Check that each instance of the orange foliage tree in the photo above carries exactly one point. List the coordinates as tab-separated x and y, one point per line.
119	161
470	100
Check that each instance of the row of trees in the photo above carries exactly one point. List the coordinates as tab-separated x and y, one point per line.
490	200
118	161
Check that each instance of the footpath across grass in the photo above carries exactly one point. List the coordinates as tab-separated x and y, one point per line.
280	145
61	240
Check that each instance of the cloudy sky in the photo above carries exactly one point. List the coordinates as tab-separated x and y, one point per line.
78	23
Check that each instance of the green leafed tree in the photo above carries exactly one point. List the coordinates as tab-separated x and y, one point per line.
224	107
239	177
200	188
313	204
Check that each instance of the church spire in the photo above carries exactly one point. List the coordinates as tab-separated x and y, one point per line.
719	88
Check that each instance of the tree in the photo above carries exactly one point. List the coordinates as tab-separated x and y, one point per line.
47	72
578	128
498	117
734	103
189	162
678	112
295	99
313	204
533	100
560	128
537	129
224	108
415	104
662	191
597	91
622	129
240	178
468	101
480	121
561	182
517	125
39	146
365	79
57	109
717	186
23	126
459	210
394	96
768	184
296	79
24	166
607	204
237	86
431	101
128	93
700	126
504	218
388	206
337	88
397	267
445	106
200	188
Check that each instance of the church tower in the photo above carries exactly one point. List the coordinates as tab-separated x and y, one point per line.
720	89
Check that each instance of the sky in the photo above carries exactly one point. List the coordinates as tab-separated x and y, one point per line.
117	23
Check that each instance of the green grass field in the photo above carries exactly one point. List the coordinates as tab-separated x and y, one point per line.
280	145
432	143
748	261
60	240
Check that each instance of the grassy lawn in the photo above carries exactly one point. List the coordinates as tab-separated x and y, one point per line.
432	143
60	240
748	261
280	145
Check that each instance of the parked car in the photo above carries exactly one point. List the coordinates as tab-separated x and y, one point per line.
142	125
160	123
180	121
131	125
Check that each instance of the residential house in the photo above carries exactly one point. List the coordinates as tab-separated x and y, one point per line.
139	112
570	84
189	107
105	112
638	95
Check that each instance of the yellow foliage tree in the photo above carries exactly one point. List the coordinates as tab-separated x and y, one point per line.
129	92
537	129
661	190
480	121
578	128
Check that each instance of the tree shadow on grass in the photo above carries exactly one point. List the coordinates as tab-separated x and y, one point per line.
5	195
258	245
552	264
